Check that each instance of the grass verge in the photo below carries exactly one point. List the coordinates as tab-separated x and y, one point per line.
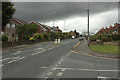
105	48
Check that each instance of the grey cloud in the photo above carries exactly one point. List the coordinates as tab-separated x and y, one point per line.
43	11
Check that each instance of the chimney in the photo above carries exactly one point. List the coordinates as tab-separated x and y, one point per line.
57	27
110	26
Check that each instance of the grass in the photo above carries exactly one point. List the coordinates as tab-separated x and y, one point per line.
105	48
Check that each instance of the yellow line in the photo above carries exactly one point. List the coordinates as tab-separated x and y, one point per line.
93	55
76	44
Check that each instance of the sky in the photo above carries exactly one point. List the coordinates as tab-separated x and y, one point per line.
69	15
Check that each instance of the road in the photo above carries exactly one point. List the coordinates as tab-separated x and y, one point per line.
47	60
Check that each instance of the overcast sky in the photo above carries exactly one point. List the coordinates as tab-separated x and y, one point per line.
72	15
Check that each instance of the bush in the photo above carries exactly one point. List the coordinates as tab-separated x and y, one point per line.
38	36
93	38
45	36
4	38
106	39
115	37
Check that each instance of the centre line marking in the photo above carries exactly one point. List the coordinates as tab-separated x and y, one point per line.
60	74
62	60
44	67
4	59
59	62
68	54
88	69
16	60
49	73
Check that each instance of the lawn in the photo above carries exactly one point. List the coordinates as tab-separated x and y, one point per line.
105	48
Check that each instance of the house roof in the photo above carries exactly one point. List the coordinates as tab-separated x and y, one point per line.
17	21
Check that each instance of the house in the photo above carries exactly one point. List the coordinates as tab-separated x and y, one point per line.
71	33
41	28
115	29
10	29
111	30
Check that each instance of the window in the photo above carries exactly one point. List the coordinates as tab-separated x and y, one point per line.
13	26
8	25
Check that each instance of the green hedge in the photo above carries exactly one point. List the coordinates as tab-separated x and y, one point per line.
4	38
115	37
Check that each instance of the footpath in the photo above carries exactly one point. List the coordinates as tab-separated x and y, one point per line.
83	48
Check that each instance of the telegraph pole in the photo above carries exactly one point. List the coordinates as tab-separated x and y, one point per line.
88	29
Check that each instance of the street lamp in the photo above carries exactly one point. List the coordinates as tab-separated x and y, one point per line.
53	16
53	22
88	29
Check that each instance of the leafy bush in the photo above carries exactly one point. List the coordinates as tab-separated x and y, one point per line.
4	38
106	39
115	37
38	36
45	35
93	38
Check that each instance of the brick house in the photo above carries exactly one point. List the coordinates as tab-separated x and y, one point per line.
42	28
10	29
111	30
72	33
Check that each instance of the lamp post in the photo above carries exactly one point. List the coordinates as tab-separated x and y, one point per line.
53	16
53	23
88	28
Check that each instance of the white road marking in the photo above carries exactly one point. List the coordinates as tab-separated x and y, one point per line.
18	51
16	60
44	67
68	54
62	60
1	65
15	57
56	65
62	70
88	69
50	48
40	48
101	77
60	74
49	73
59	63
4	59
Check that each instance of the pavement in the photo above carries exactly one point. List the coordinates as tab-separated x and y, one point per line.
83	48
46	61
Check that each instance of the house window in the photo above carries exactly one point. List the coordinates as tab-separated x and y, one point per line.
13	26
8	25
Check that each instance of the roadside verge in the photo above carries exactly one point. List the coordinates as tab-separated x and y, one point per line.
82	48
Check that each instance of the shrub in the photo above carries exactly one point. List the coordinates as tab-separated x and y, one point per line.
45	36
38	36
4	38
115	37
93	38
106	39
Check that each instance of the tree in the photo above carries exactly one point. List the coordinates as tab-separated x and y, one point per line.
26	30
7	12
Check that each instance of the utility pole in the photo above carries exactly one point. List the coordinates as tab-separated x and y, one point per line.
88	29
64	24
53	23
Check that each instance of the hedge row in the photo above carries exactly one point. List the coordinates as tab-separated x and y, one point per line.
105	38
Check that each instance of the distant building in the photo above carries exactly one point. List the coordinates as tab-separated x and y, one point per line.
71	33
41	28
10	28
111	30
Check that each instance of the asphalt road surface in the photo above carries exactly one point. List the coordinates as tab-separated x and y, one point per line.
47	60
